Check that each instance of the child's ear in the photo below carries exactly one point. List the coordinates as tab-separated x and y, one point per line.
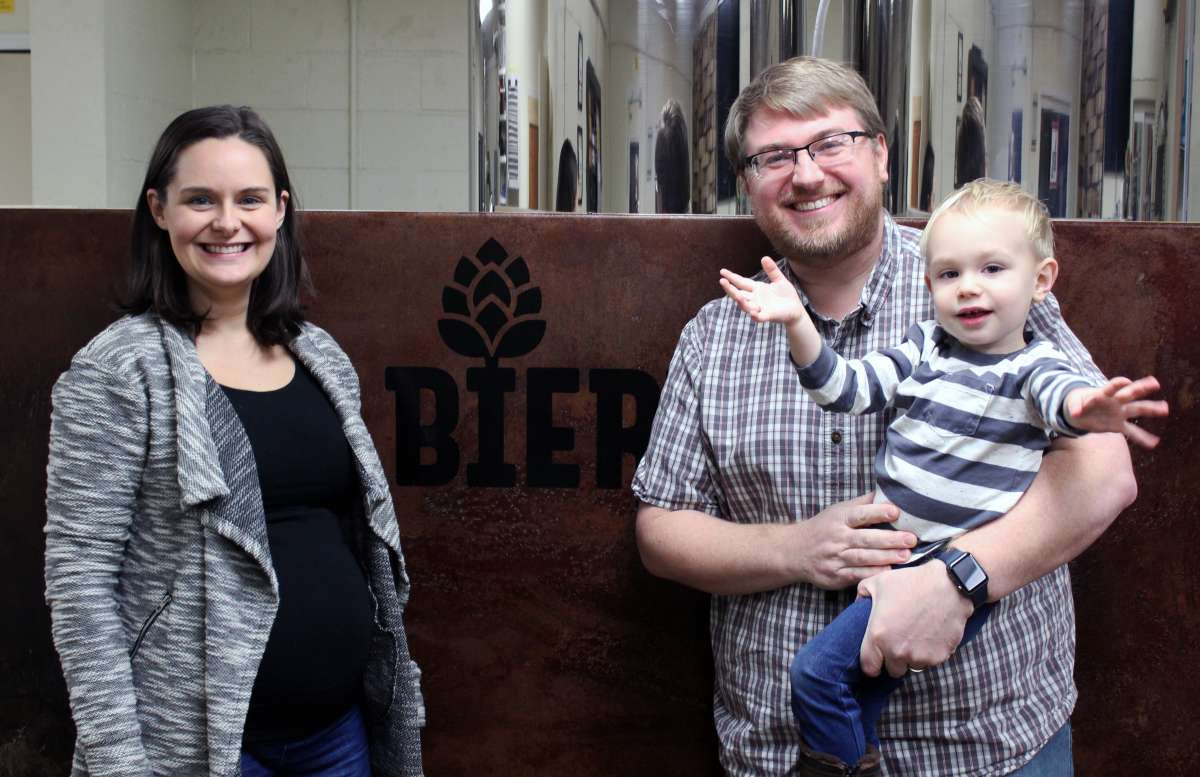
928	283
1047	273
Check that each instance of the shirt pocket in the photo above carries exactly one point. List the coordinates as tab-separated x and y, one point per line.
957	408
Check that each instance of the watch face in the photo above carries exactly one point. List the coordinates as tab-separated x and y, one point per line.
970	573
967	575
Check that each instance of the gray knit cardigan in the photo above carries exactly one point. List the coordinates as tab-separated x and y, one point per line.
156	546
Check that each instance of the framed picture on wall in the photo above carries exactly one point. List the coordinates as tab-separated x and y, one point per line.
960	64
579	99
592	156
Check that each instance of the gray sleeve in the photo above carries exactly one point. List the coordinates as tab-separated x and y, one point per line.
676	472
1046	390
98	448
866	385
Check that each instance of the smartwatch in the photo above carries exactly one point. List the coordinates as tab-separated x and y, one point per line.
968	576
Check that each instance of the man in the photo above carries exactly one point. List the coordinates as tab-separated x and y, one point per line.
749	492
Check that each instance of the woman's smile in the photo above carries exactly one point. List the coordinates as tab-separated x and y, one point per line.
226	250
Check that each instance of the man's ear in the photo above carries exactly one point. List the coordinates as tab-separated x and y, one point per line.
1047	273
746	183
157	207
881	156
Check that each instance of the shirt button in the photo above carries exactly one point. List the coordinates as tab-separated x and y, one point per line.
866	316
836	437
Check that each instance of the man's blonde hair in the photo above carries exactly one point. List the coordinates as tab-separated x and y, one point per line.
973	198
806	88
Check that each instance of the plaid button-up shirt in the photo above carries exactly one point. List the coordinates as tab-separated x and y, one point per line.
736	437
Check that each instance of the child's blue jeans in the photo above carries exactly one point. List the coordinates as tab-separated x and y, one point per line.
835	704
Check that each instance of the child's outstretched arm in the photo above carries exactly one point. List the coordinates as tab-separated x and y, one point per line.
1109	408
776	301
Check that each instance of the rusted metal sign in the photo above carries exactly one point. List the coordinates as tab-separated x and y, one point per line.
510	368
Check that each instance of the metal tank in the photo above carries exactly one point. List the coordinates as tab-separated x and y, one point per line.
1084	102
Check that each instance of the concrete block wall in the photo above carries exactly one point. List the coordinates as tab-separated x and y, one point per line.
412	101
147	69
16	126
108	75
292	63
67	84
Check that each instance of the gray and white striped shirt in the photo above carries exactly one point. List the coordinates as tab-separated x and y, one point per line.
971	430
736	437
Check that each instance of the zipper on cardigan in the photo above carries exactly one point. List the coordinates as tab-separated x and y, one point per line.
162	605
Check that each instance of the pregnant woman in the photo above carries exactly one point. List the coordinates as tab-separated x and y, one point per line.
223	559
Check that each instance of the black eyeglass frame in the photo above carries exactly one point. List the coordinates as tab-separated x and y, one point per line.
854	135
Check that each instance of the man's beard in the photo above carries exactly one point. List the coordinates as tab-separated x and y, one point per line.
814	245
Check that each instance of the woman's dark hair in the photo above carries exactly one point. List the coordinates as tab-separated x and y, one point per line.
157	282
568	179
671	167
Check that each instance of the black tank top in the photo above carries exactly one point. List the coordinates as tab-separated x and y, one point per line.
312	668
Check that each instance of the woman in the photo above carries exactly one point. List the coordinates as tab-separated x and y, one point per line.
223	561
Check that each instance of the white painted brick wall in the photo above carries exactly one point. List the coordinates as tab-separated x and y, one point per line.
146	91
413	100
110	80
291	62
67	81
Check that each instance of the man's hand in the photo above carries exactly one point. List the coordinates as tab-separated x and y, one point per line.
917	619
1109	408
837	552
722	557
775	301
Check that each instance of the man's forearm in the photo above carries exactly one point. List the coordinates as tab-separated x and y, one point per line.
713	555
1082	486
831	550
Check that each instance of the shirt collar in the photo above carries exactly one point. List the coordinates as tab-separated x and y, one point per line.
879	284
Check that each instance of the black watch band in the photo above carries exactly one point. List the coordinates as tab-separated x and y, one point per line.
968	576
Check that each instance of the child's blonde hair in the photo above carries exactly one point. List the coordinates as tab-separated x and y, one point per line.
974	197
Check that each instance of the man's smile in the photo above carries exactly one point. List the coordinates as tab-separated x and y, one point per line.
811	204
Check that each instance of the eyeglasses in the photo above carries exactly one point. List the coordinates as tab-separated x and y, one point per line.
826	152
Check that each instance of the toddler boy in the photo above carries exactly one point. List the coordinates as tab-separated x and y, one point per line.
977	399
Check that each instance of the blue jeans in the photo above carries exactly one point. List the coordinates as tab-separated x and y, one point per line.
340	750
1053	760
834	703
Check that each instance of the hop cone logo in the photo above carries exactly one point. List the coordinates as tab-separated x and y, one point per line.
491	303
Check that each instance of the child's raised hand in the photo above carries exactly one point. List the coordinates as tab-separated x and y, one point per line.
775	301
1109	408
